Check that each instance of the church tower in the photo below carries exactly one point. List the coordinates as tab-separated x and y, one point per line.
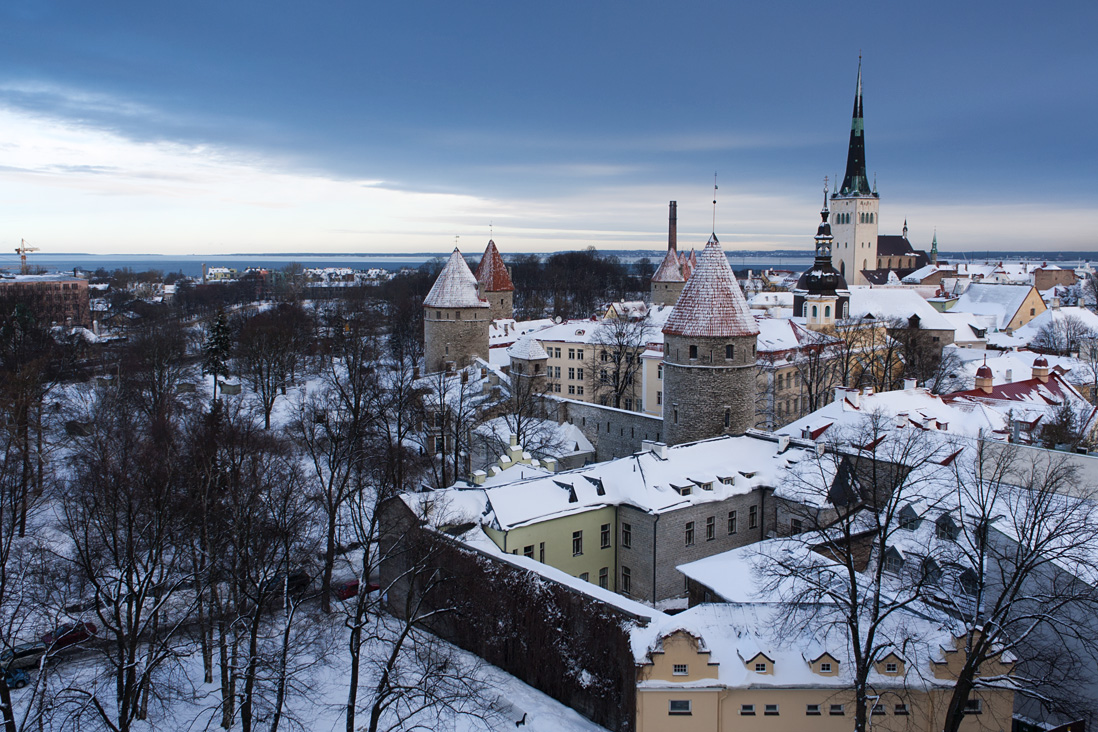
495	284
854	208
821	295
668	281
455	318
709	355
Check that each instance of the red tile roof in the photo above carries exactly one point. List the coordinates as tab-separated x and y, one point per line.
669	270
711	304
492	272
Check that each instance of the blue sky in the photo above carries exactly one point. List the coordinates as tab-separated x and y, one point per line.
207	127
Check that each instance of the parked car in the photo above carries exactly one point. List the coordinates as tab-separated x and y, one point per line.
69	634
16	678
296	583
22	655
347	590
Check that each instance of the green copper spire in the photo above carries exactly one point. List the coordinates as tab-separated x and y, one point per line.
856	182
934	248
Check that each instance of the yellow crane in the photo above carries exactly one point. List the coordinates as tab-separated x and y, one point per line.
22	250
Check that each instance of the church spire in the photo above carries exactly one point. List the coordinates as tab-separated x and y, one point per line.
856	182
823	234
934	249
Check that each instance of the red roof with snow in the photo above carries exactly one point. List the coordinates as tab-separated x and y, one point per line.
492	272
711	304
456	287
669	270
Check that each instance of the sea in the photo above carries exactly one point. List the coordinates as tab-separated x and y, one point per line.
191	265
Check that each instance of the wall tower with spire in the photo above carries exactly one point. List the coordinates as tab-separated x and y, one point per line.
855	206
668	281
709	355
495	284
455	318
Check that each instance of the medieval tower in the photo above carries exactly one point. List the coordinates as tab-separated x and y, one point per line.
495	284
668	281
709	355
855	207
821	295
455	318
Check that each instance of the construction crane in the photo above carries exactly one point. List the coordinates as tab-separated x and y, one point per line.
22	250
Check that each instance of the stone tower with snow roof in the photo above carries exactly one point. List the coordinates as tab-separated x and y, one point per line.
668	281
709	355
855	206
455	318
495	284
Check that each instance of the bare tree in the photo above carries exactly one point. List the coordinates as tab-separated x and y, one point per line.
856	489
618	344
1025	534
1063	336
452	408
268	348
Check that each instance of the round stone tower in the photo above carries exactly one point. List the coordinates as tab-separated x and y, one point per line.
455	318
668	280
495	284
709	355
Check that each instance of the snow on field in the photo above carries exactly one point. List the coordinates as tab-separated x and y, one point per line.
319	706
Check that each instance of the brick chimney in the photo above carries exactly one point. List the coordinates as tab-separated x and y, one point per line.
673	226
1040	369
984	379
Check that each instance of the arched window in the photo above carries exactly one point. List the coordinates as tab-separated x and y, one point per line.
827	311
814	311
846	310
842	268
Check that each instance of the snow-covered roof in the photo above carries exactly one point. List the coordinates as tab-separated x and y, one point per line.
456	287
923	272
711	304
527	348
1086	318
669	270
1002	301
885	302
492	272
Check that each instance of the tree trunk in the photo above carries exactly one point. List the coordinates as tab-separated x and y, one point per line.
9	712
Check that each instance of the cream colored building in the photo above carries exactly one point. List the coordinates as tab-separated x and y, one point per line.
729	667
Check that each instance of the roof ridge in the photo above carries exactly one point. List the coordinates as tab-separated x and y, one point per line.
711	303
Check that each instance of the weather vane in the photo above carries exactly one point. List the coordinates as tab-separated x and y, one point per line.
714	202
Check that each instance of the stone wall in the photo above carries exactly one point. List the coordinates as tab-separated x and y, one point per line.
500	305
613	432
460	335
666	293
708	395
557	639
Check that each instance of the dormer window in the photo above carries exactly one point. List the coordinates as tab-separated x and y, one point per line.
909	520
680	669
893	562
760	668
945	528
825	668
890	668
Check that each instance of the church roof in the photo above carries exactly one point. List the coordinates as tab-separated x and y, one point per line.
492	272
855	182
711	304
890	245
669	270
456	287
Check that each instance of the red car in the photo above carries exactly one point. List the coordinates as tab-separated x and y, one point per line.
349	589
68	634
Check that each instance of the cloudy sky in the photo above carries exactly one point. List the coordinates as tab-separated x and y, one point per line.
229	126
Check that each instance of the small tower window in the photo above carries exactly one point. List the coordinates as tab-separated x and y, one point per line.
729	351
827	311
815	311
693	351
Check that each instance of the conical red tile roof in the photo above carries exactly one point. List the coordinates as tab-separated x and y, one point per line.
456	287
669	270
711	304
492	272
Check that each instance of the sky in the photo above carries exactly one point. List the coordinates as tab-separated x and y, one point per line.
233	126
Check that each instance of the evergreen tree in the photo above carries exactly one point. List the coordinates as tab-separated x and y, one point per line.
216	350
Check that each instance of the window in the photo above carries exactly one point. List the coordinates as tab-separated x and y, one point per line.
909	520
571	354
753	517
747	710
626	535
659	397
878	709
891	668
945	528
894	563
678	706
711	528
689	533
974	706
571	373
604	377
836	710
795	527
584	576
541	552
577	543
528	551
731	522
932	574
626	580
770	710
604	577
693	351
967	582
579	374
629	404
760	667
604	536
900	709
579	390
812	710
825	668
680	669
571	388
1033	311
659	371
579	353
729	351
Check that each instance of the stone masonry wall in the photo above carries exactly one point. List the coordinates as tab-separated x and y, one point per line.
454	339
500	305
698	392
613	432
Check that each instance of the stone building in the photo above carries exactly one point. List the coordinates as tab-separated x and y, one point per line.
495	284
455	318
669	279
51	298
709	355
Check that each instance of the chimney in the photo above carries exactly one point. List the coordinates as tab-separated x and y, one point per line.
673	227
659	449
1010	376
984	379
783	443
514	439
843	392
1040	369
479	476
910	384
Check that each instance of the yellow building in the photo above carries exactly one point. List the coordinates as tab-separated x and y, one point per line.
725	667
